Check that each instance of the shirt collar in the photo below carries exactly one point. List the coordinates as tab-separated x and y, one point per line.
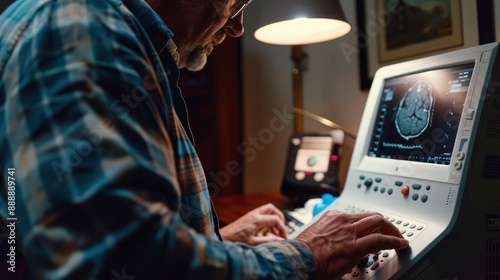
157	30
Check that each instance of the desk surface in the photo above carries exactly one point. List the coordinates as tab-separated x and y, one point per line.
231	207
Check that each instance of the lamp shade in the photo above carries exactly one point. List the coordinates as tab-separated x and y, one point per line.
299	22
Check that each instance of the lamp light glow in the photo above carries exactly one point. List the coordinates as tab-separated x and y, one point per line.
300	22
302	31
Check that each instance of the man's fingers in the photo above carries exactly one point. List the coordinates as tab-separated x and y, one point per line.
350	217
376	242
271	209
375	233
279	232
274	223
375	223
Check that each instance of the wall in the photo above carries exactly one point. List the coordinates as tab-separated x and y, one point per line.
331	90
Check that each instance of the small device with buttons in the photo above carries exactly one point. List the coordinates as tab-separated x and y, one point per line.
312	166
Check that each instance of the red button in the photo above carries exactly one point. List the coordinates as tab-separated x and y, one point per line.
405	190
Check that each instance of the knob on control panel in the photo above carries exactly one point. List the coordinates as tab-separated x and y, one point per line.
368	182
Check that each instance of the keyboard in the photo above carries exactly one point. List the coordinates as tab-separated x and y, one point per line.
291	223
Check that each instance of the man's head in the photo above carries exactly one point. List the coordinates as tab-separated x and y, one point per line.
199	25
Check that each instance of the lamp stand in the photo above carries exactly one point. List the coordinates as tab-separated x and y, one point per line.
298	58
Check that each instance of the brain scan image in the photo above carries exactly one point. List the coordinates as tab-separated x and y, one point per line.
414	110
419	114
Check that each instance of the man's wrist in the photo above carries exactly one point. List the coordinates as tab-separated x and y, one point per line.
309	263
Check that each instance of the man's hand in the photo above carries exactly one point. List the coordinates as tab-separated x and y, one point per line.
245	229
338	240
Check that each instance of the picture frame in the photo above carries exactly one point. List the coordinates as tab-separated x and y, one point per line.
465	30
416	28
496	17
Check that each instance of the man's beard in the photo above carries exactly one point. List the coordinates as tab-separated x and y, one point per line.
198	58
199	55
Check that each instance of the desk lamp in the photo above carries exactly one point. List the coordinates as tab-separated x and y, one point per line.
300	22
296	23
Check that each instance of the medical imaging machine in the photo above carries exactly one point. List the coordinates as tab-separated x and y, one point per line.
427	156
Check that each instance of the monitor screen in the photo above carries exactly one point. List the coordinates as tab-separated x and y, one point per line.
419	114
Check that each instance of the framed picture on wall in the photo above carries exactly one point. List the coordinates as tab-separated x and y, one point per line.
411	28
497	20
392	31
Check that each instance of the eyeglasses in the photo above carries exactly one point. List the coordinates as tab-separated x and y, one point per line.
240	6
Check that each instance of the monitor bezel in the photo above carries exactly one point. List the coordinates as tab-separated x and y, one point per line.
444	173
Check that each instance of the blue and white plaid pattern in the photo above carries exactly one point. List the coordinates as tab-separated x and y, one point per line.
107	178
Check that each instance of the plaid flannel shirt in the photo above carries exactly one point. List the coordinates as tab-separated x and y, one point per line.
107	179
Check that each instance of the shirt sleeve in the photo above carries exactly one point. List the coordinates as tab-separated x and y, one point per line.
87	127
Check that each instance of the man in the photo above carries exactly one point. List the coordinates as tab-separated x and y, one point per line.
107	181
